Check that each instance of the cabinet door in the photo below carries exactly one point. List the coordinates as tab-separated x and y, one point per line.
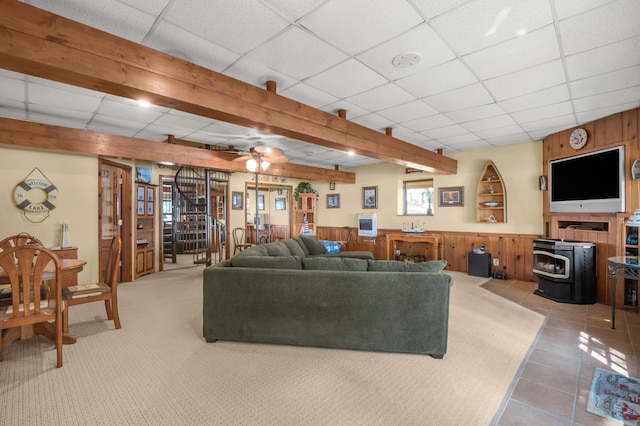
149	261
140	258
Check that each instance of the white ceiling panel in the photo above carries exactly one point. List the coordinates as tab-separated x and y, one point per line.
491	71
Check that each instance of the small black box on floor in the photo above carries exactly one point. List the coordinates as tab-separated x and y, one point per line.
479	264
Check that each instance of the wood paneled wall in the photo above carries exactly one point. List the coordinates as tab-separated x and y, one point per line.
515	251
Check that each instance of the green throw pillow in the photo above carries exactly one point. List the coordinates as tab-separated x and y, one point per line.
302	245
313	245
435	266
277	248
334	264
273	262
294	247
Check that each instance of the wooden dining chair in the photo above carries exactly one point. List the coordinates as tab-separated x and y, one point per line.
26	267
20	239
240	240
106	290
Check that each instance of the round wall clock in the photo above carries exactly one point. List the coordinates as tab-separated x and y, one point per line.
578	138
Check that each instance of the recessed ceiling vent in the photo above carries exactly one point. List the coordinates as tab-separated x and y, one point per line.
404	60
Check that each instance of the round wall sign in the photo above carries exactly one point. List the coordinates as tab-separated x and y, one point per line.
36	194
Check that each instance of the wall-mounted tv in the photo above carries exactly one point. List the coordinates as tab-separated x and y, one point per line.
593	182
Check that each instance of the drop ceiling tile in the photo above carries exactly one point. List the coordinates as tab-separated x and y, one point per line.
294	10
308	95
182	44
510	139
438	79
591	115
127	111
432	8
500	132
80	117
152	7
297	53
610	99
56	121
13	89
129	126
624	13
64	87
604	59
346	79
107	15
560	122
524	52
257	74
498	121
421	39
475	113
549	96
161	131
238	25
466	145
481	24
382	97
462	98
54	97
372	121
609	82
353	111
541	113
178	120
11	111
11	74
408	111
357	25
527	81
428	123
566	8
446	132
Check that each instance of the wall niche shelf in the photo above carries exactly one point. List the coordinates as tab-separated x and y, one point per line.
491	196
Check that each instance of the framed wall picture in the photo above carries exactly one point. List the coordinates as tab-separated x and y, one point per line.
149	194
280	204
333	201
140	209
332	186
451	197
141	193
260	202
236	200
149	208
369	197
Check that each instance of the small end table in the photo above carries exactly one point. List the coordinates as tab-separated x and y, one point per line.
624	266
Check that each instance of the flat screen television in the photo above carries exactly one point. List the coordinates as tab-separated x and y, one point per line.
593	182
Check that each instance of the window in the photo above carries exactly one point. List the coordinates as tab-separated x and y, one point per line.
418	197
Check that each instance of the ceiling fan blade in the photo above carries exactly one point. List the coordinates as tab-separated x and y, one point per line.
268	151
276	159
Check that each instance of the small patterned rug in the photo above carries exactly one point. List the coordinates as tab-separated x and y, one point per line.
614	396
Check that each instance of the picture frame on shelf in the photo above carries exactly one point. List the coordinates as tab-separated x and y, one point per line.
333	201
236	200
369	197
451	197
280	204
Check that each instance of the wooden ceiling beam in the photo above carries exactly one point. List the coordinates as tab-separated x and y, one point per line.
36	42
24	134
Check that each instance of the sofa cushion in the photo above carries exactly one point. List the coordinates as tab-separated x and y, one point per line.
302	245
334	264
434	266
294	247
259	250
313	245
273	262
354	254
277	248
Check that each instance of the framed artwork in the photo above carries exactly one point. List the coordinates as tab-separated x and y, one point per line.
149	194
236	200
150	208
280	204
369	197
451	197
143	174
140	209
260	202
333	201
332	186
140	193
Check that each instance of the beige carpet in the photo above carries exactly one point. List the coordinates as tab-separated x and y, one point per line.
158	370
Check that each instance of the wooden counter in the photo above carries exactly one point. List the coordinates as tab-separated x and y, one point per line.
408	237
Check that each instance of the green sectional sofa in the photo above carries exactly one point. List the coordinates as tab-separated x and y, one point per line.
289	292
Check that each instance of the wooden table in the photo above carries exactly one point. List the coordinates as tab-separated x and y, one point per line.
409	237
624	266
46	329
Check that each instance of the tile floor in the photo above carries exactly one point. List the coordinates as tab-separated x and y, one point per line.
552	385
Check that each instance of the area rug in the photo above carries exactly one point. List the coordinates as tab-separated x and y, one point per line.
614	396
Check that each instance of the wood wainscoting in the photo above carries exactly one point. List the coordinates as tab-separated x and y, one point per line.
515	251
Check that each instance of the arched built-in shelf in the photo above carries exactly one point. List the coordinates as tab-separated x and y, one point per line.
491	196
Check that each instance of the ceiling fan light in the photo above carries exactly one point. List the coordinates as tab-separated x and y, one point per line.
252	165
264	165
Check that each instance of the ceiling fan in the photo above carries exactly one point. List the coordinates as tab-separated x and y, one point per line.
262	157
